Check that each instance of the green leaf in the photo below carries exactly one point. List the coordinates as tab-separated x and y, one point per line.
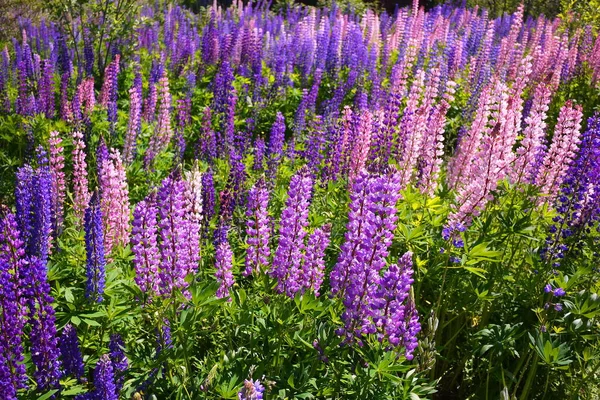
47	395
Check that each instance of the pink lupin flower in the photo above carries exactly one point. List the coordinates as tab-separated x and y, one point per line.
565	144
532	146
114	203
81	194
432	150
361	147
412	128
164	132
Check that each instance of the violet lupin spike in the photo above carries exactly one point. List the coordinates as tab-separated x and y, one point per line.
313	268
144	246
94	245
224	266
258	230
44	341
288	257
12	305
70	353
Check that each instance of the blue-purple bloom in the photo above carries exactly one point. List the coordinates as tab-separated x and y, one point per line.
94	246
257	229
287	263
224	267
70	353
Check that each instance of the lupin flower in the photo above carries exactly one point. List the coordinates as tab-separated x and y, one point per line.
46	101
118	359
44	341
207	143
144	246
257	229
33	195
81	194
252	390
104	380
94	246
313	268
57	165
108	95
288	257
114	202
164	132
135	119
565	144
12	307
259	154
360	149
70	353
275	148
224	266
532	146
174	246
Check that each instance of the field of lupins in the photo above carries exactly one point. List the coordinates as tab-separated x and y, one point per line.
311	204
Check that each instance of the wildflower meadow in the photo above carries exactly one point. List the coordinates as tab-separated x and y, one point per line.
294	202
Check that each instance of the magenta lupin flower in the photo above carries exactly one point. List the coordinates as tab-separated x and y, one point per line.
287	261
258	230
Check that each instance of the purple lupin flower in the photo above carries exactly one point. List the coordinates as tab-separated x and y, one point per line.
173	236
207	143
118	359
33	195
104	380
257	229
357	223
12	307
46	101
70	353
94	246
294	220
259	153
314	262
252	390
224	267
275	147
44	341
144	246
413	327
389	304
